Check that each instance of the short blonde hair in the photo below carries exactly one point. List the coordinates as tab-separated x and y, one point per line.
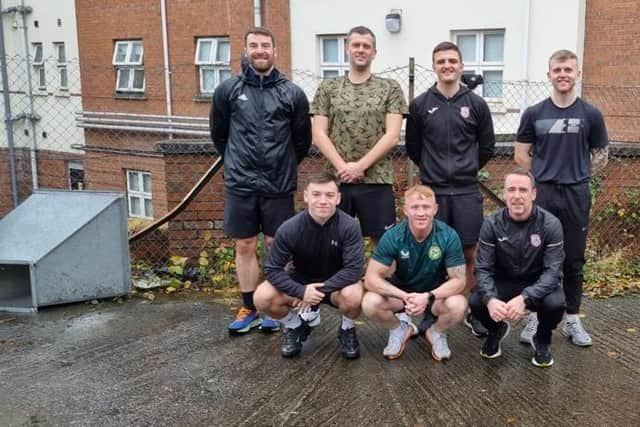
423	190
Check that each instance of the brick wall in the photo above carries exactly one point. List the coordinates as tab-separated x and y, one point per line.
53	172
612	61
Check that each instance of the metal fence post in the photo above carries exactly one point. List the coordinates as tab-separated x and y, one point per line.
412	82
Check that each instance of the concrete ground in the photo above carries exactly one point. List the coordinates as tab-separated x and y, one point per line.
171	362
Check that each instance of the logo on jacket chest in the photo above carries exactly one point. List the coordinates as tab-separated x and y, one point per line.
535	240
464	112
435	253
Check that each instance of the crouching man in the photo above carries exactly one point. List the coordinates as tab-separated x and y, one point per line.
429	277
326	251
518	267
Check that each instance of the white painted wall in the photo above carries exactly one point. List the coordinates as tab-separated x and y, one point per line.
533	30
553	24
55	107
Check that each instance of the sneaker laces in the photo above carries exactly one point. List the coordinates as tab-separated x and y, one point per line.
532	325
440	345
350	337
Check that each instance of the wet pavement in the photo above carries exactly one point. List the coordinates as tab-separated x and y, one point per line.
172	363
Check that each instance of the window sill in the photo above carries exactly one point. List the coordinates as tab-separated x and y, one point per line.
203	97
62	93
133	96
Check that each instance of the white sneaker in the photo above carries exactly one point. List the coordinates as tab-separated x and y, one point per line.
573	329
398	340
530	329
439	346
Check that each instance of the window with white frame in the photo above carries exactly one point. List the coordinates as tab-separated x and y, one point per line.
128	59
139	194
61	62
333	56
38	66
76	175
483	53
213	57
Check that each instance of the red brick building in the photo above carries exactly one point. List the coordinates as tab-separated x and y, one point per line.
127	108
611	69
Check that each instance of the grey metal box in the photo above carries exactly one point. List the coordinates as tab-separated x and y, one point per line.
63	246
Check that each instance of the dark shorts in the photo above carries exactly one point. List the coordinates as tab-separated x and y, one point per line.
372	204
462	212
246	216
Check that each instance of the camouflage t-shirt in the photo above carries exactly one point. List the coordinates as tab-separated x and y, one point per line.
357	115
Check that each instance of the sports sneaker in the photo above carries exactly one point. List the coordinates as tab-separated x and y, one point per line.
491	347
573	329
293	339
439	346
477	328
349	343
246	319
269	325
530	329
398	340
311	317
542	357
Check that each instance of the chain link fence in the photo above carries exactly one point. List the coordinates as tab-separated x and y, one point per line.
68	127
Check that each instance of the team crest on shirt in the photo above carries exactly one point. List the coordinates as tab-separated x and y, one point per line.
535	240
435	253
464	112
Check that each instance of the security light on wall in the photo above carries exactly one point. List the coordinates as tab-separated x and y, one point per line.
393	21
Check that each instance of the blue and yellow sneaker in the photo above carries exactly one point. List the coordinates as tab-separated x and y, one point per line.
269	325
246	319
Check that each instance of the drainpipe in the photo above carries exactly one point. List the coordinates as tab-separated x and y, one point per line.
525	54
31	117
8	121
257	13
167	69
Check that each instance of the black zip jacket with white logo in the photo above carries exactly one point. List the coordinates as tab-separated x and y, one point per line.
519	257
332	254
262	128
450	139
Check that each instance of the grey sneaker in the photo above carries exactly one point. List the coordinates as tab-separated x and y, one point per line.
439	347
573	329
530	329
398	340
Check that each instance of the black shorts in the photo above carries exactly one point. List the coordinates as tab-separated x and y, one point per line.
462	212
246	216
372	204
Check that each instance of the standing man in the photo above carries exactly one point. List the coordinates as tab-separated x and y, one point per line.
449	135
260	125
518	267
356	123
562	141
428	278
327	253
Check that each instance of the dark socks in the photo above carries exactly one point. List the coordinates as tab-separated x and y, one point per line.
247	300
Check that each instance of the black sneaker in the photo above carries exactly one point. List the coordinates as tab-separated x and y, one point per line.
542	357
349	343
477	328
491	347
293	339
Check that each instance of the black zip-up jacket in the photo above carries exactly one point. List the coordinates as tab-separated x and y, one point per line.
262	128
332	254
450	139
519	257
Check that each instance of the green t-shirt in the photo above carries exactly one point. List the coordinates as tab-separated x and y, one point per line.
357	118
422	266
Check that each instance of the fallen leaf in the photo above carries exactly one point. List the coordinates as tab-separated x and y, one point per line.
511	420
613	354
632	330
170	290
